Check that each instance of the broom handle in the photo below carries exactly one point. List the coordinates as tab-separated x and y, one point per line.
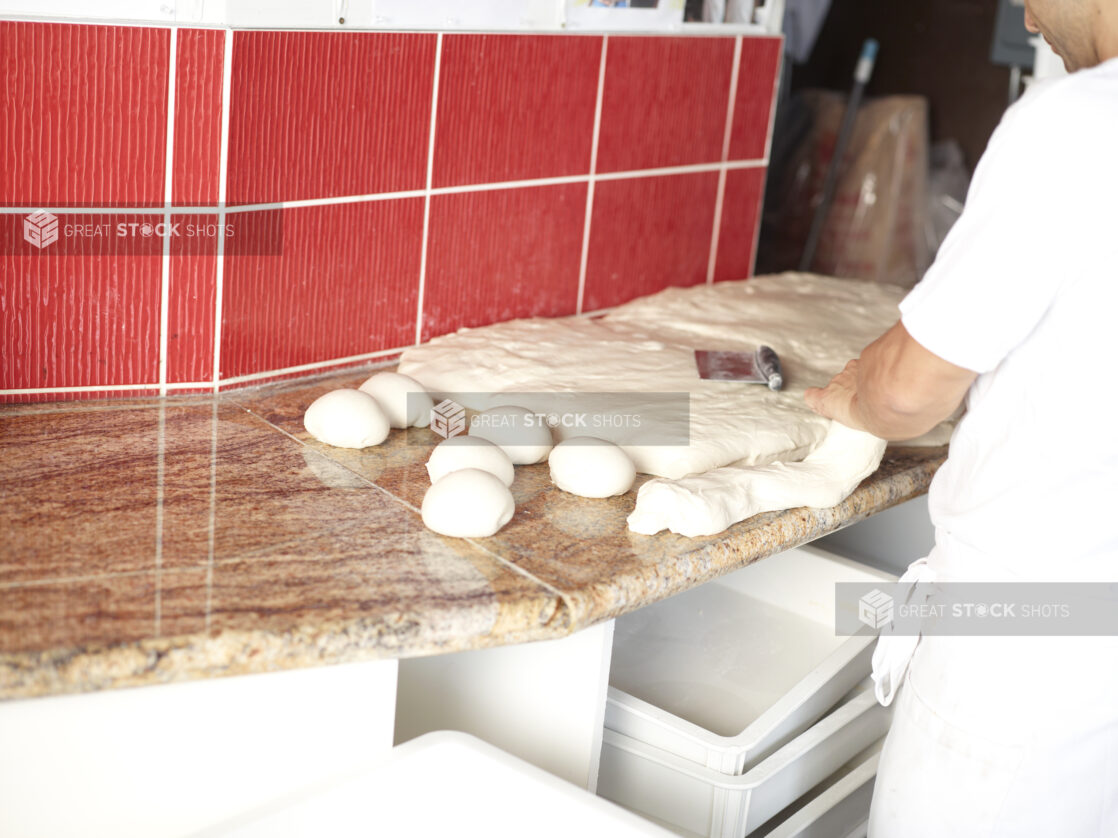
862	73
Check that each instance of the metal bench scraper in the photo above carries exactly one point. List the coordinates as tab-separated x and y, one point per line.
762	366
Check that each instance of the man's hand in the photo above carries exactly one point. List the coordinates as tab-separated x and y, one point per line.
896	390
838	399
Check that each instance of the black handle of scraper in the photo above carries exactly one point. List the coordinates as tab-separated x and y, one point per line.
769	366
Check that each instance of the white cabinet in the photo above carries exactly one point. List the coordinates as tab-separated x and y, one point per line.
169	760
542	702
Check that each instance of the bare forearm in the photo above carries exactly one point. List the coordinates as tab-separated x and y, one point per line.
877	414
896	389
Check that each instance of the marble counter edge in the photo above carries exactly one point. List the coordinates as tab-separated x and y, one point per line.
191	657
753	540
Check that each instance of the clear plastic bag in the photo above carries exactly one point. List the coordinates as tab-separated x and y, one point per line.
875	228
948	183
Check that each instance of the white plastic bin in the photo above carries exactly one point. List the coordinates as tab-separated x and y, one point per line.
699	801
725	674
839	811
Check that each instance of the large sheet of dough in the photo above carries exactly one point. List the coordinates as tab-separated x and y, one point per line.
814	323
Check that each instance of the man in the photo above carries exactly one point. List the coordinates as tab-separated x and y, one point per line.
1012	736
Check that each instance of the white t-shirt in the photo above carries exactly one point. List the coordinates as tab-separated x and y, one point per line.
1025	292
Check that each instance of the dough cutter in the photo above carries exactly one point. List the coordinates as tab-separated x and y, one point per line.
761	366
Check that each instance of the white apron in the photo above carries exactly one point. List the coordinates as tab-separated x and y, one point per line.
997	736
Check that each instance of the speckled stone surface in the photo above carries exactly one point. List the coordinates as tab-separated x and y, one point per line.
154	540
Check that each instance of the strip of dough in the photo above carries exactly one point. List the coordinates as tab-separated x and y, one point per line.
705	504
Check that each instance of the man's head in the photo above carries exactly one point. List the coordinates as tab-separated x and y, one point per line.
1082	32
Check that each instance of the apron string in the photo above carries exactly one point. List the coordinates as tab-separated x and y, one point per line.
893	652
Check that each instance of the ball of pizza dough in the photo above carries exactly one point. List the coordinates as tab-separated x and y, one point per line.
403	399
590	467
346	419
460	452
519	432
470	503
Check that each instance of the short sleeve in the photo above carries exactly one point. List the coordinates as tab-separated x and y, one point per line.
1005	259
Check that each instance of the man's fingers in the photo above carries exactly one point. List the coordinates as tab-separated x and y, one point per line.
814	398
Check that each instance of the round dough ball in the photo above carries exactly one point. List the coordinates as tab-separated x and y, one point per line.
346	419
592	468
518	431
461	452
391	390
470	503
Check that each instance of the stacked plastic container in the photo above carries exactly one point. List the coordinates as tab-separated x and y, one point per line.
732	702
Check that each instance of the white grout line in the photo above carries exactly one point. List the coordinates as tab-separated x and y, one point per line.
321	202
208	385
191	385
772	105
728	131
717	231
317	365
168	180
427	190
509	184
92	388
222	185
734	73
598	312
729	165
768	153
590	180
121	210
681	170
690	29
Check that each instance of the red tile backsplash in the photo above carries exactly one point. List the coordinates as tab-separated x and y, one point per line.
80	312
513	107
760	63
197	143
330	117
66	87
500	254
19	398
192	290
664	102
741	212
648	233
315	283
323	114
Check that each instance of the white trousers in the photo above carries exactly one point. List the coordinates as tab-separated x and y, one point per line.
995	737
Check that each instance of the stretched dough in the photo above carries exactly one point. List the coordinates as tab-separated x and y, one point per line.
403	399
470	503
644	350
461	452
705	504
592	468
346	419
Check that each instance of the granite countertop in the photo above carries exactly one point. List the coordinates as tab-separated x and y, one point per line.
155	540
